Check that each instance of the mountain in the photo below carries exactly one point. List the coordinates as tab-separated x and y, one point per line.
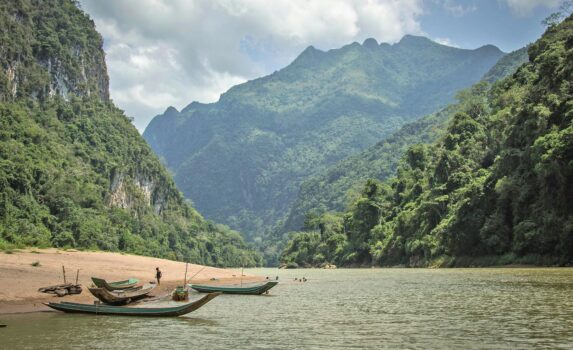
333	188
243	158
496	188
74	172
507	65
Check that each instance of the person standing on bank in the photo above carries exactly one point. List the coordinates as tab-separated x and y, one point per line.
158	275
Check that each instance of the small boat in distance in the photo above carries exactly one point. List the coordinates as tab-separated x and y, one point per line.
101	283
253	289
149	309
122	296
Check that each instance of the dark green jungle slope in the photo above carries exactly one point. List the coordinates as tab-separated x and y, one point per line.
496	188
243	158
74	172
339	184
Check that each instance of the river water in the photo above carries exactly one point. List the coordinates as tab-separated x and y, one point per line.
339	309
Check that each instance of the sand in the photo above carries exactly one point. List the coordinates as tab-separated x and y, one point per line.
20	280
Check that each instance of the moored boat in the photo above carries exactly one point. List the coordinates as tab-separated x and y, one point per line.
125	284
149	309
122	296
258	288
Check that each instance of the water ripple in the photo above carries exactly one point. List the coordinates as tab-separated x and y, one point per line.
341	309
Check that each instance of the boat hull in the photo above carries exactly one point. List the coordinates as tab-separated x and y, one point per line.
121	297
132	311
101	283
252	290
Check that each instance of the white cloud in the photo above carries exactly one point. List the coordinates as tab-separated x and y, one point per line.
458	9
162	53
445	41
525	7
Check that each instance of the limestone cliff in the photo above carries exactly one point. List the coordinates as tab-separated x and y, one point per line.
74	171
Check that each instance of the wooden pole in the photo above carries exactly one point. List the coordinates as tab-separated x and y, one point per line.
197	273
77	276
185	280
242	276
64	271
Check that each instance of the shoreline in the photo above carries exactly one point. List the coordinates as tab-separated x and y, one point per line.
23	271
509	266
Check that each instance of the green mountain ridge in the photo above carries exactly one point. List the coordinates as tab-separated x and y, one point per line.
74	171
242	159
496	188
332	189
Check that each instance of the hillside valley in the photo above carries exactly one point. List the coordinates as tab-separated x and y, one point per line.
242	159
493	189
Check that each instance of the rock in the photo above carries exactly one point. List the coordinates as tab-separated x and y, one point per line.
327	266
62	289
61	292
292	265
75	290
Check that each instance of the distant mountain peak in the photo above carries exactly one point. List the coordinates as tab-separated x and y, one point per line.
170	111
308	55
192	105
310	50
489	48
370	43
412	39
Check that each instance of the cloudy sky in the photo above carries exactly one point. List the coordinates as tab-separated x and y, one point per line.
164	53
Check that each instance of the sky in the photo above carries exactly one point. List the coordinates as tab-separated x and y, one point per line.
163	53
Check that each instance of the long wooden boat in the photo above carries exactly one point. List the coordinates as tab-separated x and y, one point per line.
101	283
122	296
155	310
258	288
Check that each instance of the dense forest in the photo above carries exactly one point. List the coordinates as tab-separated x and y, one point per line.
74	172
242	159
338	184
496	188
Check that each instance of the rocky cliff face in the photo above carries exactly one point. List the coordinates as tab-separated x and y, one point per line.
128	192
46	52
63	59
74	171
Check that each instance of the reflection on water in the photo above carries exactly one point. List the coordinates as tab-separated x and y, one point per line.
362	308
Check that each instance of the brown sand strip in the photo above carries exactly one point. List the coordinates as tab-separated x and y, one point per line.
19	280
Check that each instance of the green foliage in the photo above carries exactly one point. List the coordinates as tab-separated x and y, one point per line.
507	65
325	243
242	160
74	172
339	184
555	18
49	47
496	188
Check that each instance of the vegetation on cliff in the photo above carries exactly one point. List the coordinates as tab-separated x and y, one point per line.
74	172
495	188
243	158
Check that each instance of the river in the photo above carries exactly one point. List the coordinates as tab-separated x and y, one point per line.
505	308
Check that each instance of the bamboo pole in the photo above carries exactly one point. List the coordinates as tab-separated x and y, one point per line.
185	279
197	273
77	276
64	271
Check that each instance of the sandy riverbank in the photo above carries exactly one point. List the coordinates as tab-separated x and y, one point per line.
19	280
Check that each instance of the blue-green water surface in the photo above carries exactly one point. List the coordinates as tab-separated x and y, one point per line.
339	309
